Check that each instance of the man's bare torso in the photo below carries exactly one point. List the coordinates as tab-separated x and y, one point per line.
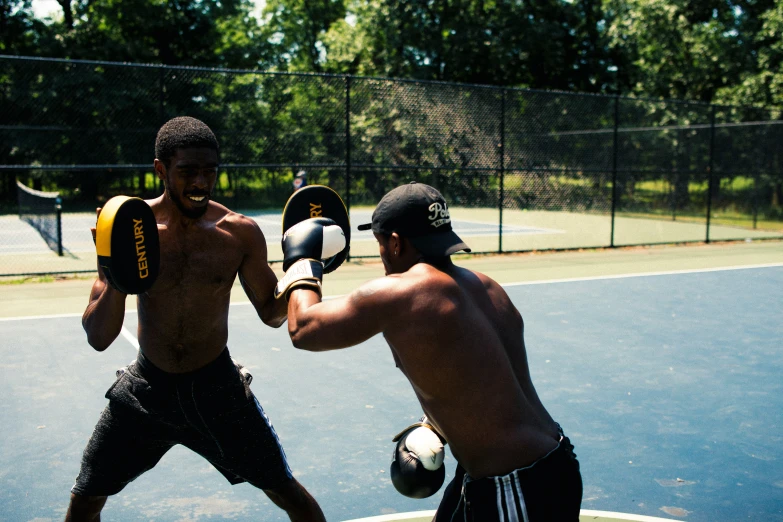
183	319
460	344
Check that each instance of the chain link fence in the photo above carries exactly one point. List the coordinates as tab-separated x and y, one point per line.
522	170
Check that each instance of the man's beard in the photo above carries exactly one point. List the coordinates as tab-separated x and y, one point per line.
192	213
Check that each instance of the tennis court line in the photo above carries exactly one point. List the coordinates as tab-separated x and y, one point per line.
520	283
420	515
644	274
129	337
36	317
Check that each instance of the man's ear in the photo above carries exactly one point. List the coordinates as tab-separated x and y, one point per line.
160	169
395	243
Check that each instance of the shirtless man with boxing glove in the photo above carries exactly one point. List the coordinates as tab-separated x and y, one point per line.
458	338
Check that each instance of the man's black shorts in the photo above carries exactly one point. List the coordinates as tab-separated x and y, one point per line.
211	411
549	490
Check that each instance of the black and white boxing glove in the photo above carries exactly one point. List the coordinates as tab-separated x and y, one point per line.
304	246
417	469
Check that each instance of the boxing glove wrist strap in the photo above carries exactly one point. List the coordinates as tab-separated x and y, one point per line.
305	272
416	425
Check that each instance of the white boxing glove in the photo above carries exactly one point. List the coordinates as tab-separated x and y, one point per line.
305	246
314	238
417	469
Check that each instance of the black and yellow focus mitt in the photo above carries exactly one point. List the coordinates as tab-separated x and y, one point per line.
127	243
319	201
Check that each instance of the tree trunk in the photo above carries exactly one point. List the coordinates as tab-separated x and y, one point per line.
67	13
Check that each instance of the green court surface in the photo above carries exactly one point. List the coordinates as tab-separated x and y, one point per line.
70	295
23	251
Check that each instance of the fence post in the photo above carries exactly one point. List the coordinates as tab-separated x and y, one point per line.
502	166
711	177
161	120
756	188
58	208
161	96
614	165
348	147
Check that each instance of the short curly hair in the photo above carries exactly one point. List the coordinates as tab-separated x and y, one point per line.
183	132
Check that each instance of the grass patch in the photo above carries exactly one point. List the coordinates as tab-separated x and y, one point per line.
728	219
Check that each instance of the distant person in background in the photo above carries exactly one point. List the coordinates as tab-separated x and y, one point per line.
300	180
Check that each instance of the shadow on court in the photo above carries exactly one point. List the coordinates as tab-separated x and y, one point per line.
669	386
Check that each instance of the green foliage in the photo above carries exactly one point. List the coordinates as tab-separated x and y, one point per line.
675	48
724	50
186	32
715	50
762	82
296	31
552	44
20	32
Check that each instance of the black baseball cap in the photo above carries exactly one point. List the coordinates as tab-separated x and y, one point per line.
418	212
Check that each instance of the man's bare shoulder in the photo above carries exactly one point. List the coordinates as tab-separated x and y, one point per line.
488	282
155	203
426	278
382	288
420	283
240	224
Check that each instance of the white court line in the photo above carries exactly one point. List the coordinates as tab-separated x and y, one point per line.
518	231
37	317
644	274
623	516
130	337
521	283
586	513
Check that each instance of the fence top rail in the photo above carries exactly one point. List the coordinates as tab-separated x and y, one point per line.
165	67
137	166
382	78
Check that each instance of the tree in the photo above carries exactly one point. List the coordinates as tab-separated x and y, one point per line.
552	44
182	32
762	82
20	32
296	30
674	48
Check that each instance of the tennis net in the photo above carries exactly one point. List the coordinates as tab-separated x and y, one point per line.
42	211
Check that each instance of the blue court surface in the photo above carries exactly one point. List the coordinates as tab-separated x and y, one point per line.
670	387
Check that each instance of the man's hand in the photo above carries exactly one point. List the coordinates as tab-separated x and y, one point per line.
417	470
314	238
305	245
93	229
101	275
105	313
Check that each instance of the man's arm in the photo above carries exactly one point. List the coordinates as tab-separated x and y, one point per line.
339	323
103	318
257	278
105	313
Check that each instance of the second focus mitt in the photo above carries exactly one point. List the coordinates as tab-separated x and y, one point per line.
319	201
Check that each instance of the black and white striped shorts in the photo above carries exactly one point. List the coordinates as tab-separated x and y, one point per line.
549	490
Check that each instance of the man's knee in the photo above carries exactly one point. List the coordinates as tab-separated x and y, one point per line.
84	507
